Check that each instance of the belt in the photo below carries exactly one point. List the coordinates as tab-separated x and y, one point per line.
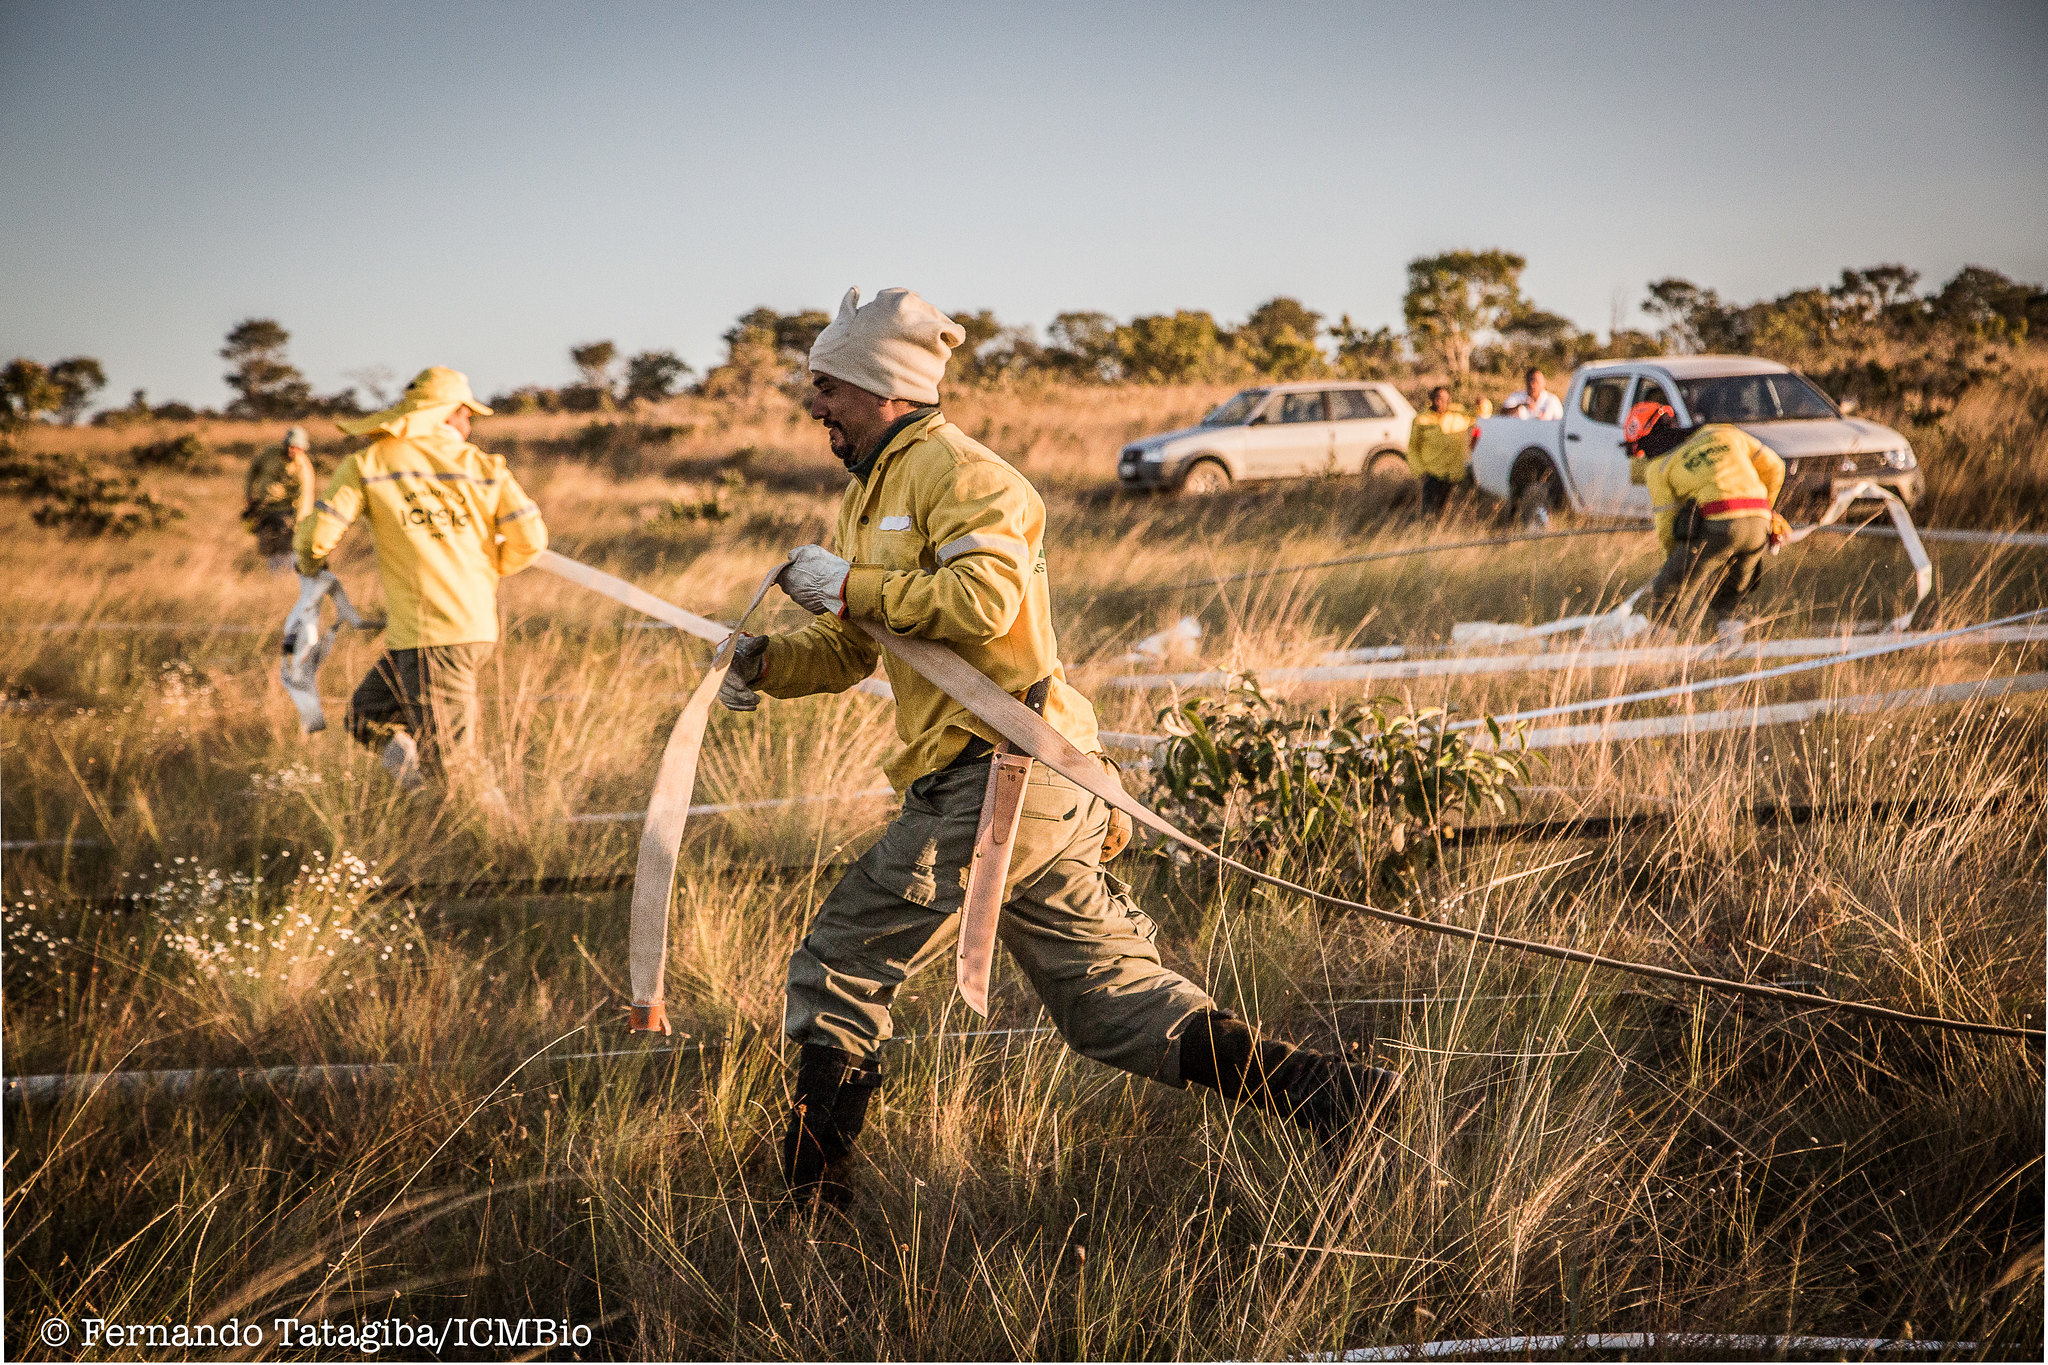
976	750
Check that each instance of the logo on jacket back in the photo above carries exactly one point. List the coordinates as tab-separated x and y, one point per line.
1703	458
452	515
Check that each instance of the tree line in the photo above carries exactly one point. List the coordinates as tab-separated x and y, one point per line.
1467	320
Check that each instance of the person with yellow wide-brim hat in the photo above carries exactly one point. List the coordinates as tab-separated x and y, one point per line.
448	521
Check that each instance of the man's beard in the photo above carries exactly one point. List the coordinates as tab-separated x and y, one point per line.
841	443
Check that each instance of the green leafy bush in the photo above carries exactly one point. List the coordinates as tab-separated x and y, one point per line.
718	506
1364	789
75	495
186	452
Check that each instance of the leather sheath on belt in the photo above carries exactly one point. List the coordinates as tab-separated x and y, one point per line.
1002	804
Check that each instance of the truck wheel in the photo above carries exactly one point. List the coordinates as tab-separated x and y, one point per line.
1538	496
1205	477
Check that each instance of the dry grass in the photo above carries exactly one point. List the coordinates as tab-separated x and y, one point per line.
1576	1152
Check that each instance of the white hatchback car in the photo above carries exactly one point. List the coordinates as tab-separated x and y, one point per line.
1278	431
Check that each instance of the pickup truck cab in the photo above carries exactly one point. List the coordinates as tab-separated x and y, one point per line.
1278	431
1578	464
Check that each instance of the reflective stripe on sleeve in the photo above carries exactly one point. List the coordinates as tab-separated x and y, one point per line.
1009	546
529	510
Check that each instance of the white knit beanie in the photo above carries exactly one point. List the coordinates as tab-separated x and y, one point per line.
896	347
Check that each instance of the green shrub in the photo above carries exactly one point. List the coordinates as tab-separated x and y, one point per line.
186	452
75	495
594	438
717	507
1361	789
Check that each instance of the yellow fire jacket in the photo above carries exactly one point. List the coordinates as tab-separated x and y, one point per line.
1723	469
947	543
1440	443
448	521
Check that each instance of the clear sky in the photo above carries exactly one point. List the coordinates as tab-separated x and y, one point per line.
484	185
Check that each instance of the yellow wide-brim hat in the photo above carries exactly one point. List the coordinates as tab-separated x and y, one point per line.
433	396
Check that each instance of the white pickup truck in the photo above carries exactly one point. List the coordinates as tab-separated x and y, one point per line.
1578	464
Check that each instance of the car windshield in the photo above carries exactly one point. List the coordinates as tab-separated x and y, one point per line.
1755	398
1234	412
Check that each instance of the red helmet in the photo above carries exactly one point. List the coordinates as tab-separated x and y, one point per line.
1642	420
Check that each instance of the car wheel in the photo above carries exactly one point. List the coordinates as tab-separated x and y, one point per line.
1388	475
1205	477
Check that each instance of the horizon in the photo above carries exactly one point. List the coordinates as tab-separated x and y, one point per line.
487	186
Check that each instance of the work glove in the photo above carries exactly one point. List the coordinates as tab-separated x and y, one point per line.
749	657
815	580
1781	530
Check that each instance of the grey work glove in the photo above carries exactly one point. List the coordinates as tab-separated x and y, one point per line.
749	657
815	580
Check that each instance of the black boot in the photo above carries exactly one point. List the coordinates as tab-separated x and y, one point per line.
830	1107
1323	1094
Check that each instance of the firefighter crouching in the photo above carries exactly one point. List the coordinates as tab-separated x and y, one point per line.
939	538
448	521
1711	490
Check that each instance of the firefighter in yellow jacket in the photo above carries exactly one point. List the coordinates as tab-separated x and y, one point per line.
1711	491
938	538
448	521
278	490
1439	449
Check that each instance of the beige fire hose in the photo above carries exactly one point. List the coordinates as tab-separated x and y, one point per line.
1015	722
306	644
661	838
1902	522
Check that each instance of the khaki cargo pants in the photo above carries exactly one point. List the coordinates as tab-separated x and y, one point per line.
1726	556
429	693
1080	939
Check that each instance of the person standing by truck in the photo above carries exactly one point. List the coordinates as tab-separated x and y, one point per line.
1438	444
1711	489
1534	401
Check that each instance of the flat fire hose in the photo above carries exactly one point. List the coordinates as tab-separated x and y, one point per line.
1002	805
1013	721
306	645
655	876
628	595
1902	522
661	838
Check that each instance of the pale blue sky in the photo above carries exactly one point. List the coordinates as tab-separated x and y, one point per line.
483	185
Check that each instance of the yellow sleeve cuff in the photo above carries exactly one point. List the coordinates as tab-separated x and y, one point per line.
864	591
